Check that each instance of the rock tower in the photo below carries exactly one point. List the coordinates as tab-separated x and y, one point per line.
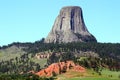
69	26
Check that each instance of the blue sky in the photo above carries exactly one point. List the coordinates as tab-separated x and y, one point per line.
31	20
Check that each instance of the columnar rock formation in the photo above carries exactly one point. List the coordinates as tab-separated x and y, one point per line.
69	26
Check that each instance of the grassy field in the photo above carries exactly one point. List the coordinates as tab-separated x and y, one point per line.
13	52
10	53
42	62
91	79
89	75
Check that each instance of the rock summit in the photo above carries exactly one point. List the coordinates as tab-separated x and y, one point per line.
69	26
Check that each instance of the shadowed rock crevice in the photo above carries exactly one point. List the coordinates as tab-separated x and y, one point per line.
69	26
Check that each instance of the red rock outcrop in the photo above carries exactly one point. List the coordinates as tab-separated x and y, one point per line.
58	68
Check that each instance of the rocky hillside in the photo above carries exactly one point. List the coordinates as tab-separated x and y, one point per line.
59	68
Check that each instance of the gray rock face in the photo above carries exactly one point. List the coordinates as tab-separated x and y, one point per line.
69	26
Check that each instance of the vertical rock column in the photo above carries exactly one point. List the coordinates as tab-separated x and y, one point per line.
69	26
